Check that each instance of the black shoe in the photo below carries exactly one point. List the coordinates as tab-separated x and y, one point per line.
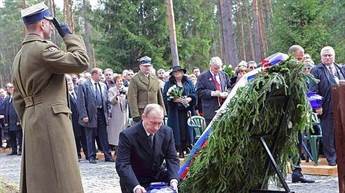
332	163
297	176
92	161
302	180
12	153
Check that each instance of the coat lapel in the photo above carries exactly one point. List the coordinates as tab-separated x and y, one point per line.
91	88
330	78
143	79
210	81
158	143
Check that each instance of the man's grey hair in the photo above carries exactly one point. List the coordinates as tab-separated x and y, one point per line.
160	70
252	63
327	48
108	70
153	107
124	72
216	61
293	49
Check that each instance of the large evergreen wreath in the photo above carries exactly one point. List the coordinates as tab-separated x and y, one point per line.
275	105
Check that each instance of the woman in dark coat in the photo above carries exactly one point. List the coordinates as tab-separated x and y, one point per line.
179	107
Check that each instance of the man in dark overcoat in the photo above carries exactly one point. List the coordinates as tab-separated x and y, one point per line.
93	114
142	150
212	88
329	73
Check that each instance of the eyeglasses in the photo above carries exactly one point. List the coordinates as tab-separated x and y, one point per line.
327	55
251	67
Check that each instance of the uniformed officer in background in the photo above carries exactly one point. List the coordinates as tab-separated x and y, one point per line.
144	89
49	162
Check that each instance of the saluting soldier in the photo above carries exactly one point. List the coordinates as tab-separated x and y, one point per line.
144	89
49	162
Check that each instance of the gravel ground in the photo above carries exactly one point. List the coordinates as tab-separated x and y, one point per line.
102	177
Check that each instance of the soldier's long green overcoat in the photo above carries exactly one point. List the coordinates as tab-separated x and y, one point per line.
143	90
49	160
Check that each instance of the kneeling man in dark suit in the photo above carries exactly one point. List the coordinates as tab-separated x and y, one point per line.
142	150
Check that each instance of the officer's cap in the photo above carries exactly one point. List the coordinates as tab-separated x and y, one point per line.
36	13
145	60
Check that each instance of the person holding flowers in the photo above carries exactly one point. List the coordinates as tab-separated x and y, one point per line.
180	97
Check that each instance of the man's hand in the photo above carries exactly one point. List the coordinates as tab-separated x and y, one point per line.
139	189
85	120
173	185
319	111
61	28
215	93
224	95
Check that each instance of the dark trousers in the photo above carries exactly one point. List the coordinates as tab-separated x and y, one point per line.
328	138
101	132
80	142
15	140
90	142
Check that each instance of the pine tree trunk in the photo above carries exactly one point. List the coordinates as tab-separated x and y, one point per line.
68	15
256	31
172	32
229	45
88	33
262	26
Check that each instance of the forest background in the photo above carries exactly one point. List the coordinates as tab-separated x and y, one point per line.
118	32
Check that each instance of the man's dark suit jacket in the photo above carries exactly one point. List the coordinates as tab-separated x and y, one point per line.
75	115
204	87
87	103
137	163
11	119
324	86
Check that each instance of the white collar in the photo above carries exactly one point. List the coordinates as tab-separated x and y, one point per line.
215	75
147	133
93	82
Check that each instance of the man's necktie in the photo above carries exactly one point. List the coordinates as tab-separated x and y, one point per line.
216	83
98	94
150	140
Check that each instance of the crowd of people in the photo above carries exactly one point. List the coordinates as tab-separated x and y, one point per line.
104	103
141	117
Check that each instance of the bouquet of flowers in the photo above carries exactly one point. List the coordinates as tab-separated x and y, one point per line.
175	92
